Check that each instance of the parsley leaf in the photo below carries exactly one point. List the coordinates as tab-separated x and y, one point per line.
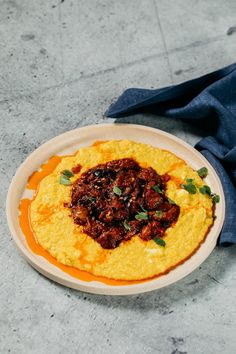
157	189
117	190
141	216
159	241
205	190
202	172
67	173
127	225
64	180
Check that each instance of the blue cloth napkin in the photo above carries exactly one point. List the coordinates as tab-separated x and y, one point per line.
208	102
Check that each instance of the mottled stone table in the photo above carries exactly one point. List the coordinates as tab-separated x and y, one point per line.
62	64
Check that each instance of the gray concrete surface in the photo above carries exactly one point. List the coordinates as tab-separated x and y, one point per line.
62	64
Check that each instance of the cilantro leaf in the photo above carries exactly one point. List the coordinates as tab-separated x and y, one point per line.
159	241
141	216
166	224
67	173
171	201
64	180
157	189
202	172
127	225
117	190
92	199
143	208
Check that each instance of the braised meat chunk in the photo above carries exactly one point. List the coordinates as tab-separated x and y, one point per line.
120	199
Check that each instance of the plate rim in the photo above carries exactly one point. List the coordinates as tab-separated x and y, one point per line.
91	287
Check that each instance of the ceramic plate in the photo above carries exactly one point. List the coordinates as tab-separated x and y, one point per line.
70	142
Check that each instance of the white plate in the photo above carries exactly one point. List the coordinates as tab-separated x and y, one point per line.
70	142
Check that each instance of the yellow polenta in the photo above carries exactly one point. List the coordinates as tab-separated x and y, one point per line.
134	259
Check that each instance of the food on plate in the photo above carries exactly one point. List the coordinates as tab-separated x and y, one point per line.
119	199
122	210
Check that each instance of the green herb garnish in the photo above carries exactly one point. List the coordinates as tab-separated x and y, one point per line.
166	224
143	208
117	190
205	190
215	198
157	189
189	187
127	225
189	180
159	241
159	213
92	199
67	173
65	177
141	216
202	172
64	180
171	201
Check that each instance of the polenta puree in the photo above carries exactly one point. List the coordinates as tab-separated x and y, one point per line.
136	259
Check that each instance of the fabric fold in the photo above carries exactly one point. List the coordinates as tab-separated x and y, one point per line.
208	102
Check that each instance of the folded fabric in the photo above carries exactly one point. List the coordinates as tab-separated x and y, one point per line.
208	102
